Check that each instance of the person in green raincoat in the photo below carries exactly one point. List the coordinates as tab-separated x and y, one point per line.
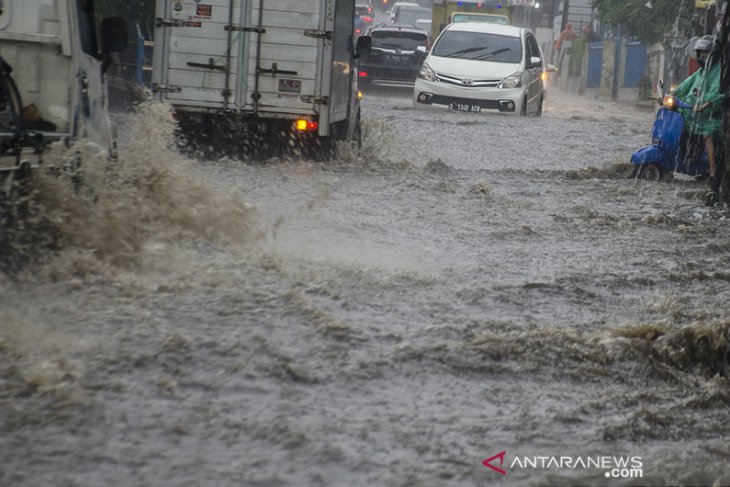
701	90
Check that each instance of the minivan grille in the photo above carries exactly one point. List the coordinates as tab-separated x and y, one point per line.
468	82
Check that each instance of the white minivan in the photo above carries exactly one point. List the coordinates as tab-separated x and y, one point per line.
479	66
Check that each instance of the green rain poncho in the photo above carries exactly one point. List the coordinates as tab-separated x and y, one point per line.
704	82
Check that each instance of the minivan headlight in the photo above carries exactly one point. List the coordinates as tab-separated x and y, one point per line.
427	73
512	81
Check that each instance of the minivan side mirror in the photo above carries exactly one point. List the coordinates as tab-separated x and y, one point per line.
535	62
113	35
363	46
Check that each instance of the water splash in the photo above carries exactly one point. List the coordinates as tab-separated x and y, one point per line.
108	212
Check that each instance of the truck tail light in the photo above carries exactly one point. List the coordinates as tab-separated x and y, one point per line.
306	125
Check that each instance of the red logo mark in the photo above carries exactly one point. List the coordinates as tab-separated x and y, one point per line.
487	463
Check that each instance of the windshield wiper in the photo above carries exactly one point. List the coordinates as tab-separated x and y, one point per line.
490	54
466	51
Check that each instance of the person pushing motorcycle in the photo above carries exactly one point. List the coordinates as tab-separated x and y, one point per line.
701	90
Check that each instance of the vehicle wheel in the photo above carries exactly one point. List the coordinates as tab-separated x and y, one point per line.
538	113
649	172
523	110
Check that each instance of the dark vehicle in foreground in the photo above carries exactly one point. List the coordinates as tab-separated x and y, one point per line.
393	61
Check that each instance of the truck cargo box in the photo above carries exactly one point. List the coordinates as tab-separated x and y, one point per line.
265	62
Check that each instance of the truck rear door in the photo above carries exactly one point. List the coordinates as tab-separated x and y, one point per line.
287	72
197	59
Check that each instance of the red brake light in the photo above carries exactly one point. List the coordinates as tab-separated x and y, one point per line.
366	19
362	74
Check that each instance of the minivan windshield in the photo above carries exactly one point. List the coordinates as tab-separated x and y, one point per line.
479	46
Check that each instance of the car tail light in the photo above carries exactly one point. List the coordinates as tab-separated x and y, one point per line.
306	125
366	19
362	74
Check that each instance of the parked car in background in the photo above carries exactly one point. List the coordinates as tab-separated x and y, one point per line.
364	12
479	66
407	13
392	61
364	7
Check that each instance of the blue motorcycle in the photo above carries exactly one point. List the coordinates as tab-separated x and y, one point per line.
672	149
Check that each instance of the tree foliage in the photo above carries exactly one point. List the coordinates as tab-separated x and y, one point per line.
653	20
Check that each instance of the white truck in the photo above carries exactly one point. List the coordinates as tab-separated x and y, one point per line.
253	77
52	84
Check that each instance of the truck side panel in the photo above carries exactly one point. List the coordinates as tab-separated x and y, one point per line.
342	67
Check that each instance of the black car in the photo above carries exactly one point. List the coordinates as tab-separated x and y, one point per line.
393	60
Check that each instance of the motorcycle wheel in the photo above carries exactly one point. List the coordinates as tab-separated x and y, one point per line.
649	172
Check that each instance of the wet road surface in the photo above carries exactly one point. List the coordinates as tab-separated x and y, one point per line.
468	285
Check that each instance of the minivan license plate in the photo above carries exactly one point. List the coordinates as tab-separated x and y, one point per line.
465	107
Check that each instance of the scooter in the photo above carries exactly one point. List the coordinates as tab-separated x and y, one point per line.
672	149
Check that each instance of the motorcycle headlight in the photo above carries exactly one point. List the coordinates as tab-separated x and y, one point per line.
512	81
427	73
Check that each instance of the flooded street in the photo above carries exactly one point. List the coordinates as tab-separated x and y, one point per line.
470	284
